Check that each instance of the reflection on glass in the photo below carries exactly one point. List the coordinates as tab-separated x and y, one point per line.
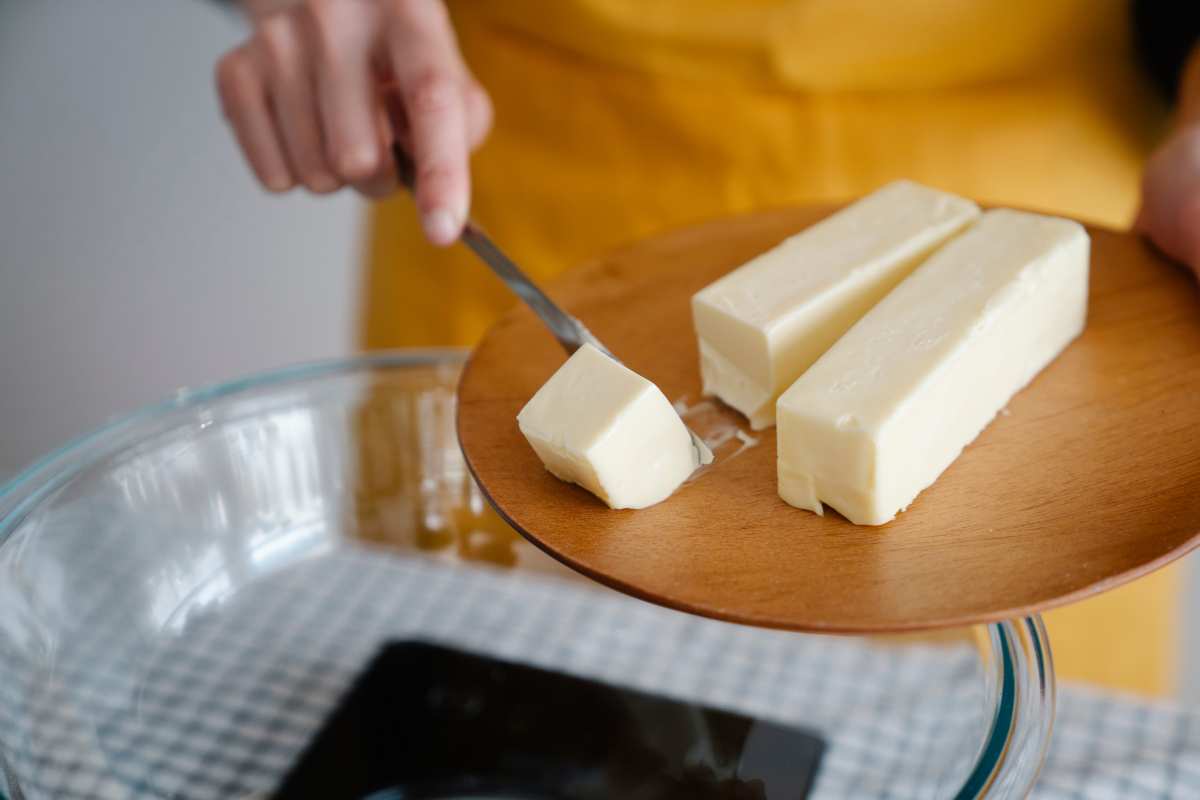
413	486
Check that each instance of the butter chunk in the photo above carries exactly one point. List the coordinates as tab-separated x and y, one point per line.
890	406
762	325
601	425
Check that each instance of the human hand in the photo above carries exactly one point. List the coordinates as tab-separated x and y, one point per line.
321	88
1170	212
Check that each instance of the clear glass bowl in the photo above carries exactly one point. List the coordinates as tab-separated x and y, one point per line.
185	595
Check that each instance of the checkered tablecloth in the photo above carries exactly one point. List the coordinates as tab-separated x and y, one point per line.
217	700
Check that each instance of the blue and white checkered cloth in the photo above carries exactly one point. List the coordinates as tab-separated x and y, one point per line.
218	701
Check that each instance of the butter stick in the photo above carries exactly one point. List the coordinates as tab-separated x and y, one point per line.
762	325
891	405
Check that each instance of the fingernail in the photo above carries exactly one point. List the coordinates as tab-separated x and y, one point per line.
278	183
322	182
440	226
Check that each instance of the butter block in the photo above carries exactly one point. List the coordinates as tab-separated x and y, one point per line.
762	325
891	405
599	424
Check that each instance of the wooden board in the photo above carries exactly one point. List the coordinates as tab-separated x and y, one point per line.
1089	479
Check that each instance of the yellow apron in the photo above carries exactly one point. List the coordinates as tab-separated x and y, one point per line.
617	119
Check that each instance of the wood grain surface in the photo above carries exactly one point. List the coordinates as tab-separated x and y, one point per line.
1089	479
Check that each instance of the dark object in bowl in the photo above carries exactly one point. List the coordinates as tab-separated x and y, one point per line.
428	722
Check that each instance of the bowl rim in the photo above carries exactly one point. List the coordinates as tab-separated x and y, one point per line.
25	489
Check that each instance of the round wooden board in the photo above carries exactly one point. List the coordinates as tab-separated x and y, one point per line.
1089	479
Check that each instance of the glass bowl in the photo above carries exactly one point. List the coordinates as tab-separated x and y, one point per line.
186	594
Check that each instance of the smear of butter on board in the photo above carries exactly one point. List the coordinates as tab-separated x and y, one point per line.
715	429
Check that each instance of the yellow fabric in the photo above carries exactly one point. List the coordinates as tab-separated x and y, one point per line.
616	119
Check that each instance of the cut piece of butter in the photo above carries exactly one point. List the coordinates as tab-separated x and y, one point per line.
762	325
601	425
890	406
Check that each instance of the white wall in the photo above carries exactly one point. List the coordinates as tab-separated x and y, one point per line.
136	254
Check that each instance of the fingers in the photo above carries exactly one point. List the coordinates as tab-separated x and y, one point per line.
244	102
383	180
431	80
346	90
305	97
437	118
479	113
284	45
